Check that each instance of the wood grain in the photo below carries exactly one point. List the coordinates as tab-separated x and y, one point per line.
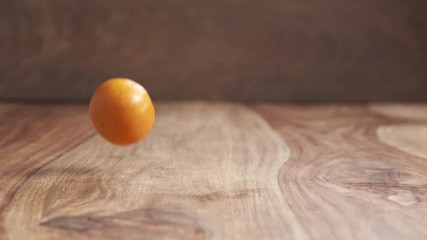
345	180
32	136
219	171
306	50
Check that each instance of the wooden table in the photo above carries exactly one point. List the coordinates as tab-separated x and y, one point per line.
217	171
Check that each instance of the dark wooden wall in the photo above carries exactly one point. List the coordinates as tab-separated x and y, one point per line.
294	50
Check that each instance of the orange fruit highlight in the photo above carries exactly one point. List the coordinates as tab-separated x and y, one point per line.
121	111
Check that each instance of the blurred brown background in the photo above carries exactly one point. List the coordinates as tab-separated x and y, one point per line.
259	50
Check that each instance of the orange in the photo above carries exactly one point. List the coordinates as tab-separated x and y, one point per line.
121	111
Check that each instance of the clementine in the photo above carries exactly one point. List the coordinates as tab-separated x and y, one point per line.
121	111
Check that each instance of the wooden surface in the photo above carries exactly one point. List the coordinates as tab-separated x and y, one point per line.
297	50
217	171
